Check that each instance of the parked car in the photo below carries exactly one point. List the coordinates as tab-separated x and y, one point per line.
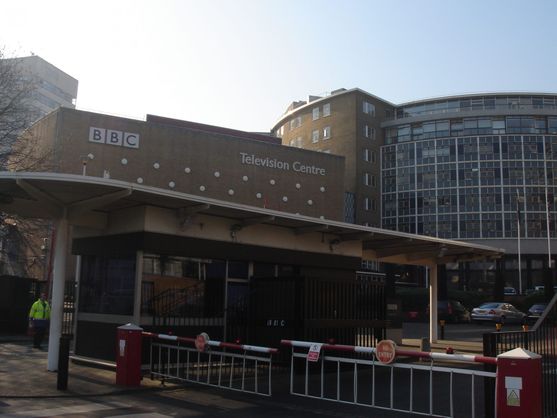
536	311
510	291
451	311
497	312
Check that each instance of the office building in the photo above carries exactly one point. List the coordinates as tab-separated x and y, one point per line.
460	167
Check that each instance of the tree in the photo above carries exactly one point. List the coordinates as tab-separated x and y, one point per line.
16	93
21	240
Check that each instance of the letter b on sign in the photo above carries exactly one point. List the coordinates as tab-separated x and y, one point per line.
97	135
114	137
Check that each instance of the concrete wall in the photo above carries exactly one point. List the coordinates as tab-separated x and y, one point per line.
202	163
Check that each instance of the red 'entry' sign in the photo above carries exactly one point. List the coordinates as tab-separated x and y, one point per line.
385	351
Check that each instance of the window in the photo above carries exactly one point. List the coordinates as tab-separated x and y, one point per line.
368	108
369	155
369	132
326	109
315	113
326	132
370	204
369	180
296	122
315	136
296	142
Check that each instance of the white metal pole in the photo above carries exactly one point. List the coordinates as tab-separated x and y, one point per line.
518	228
433	303
547	223
59	279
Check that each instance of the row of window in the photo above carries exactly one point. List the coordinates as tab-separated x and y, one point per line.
316	113
472	126
508	173
530	149
477	103
316	135
465	200
326	111
467	226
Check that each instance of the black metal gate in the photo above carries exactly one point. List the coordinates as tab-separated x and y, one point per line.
342	311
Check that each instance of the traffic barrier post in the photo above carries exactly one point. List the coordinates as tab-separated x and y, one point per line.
519	384
128	356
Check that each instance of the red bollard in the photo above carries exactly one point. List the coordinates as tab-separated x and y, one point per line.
128	356
519	384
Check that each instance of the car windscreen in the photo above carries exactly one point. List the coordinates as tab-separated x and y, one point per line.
490	305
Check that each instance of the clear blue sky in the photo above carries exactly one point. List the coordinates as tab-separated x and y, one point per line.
239	63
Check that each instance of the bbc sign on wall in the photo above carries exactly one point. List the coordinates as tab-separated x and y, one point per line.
112	137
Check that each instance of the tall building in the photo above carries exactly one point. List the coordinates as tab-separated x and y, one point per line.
461	167
52	87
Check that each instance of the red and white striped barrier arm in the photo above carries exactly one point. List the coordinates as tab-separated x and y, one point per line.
213	343
405	353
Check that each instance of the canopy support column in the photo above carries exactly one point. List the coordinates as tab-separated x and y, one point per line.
59	280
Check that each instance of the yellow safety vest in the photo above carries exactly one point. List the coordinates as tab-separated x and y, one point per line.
39	311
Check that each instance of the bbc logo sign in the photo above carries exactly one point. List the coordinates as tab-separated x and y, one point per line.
111	137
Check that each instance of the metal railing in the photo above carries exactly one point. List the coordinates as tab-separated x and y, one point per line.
362	380
245	368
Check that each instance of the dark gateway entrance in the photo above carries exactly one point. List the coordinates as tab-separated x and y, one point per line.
345	311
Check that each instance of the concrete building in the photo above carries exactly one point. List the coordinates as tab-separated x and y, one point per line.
52	87
459	167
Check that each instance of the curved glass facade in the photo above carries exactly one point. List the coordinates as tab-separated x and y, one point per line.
488	125
489	102
468	187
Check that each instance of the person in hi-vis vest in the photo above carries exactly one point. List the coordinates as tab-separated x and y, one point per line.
39	316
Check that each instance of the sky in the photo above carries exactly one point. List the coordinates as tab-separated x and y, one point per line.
240	63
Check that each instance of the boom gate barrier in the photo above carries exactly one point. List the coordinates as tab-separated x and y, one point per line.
354	380
330	373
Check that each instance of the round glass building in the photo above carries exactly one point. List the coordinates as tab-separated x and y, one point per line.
475	167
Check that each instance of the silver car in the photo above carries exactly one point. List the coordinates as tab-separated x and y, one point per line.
498	312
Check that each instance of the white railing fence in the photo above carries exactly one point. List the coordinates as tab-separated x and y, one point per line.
353	375
225	365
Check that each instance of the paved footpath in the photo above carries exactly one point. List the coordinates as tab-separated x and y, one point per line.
27	389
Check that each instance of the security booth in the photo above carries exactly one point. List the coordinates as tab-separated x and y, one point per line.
183	228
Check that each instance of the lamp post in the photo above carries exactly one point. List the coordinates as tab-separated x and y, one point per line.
518	201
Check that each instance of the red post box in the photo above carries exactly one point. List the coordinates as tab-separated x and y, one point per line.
519	384
128	355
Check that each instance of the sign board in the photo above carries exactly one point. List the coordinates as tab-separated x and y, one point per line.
513	386
313	353
201	342
113	137
385	351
